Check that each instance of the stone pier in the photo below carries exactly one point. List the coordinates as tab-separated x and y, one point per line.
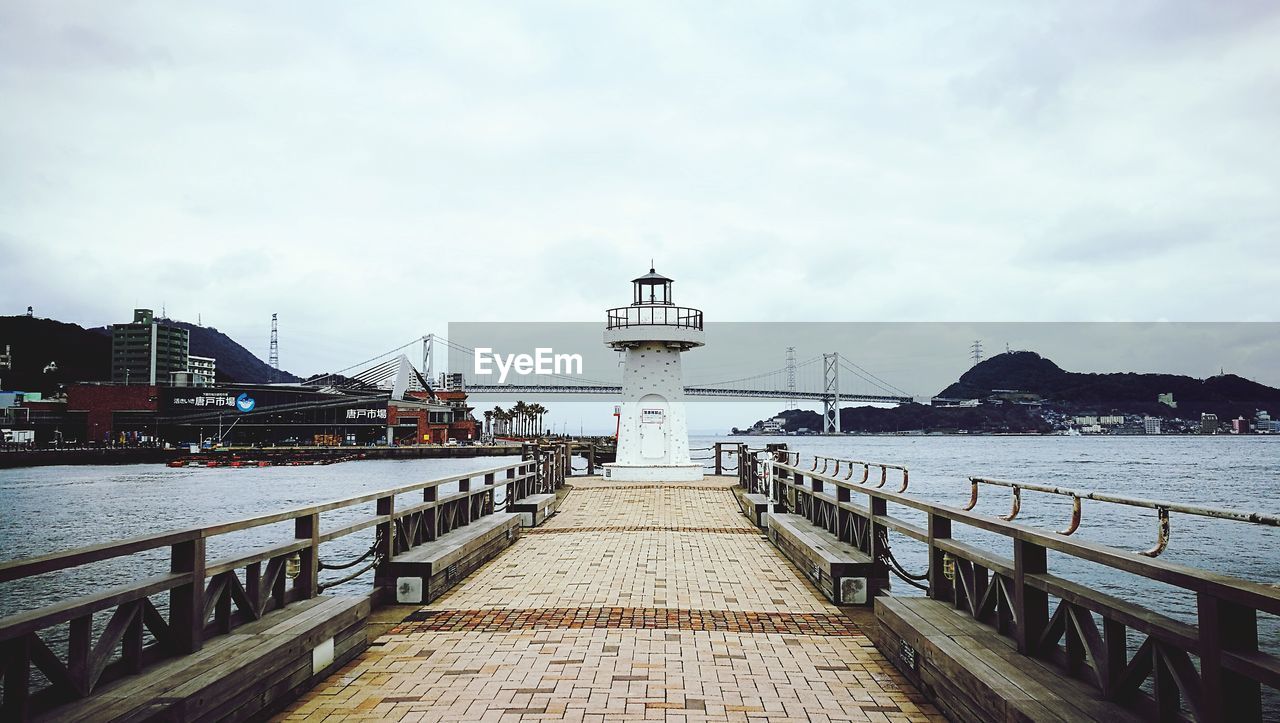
636	602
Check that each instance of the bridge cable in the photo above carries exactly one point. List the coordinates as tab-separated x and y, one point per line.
874	380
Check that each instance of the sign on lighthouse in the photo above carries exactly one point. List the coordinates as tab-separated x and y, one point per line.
652	333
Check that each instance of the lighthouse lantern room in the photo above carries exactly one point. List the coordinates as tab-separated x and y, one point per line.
652	333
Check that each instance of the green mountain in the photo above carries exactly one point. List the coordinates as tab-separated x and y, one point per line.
48	353
1226	395
1039	379
919	417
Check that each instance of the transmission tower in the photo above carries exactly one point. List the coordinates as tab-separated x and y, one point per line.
975	351
791	376
274	358
831	393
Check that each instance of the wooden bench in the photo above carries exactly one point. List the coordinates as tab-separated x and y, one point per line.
254	670
534	509
754	506
974	673
422	574
843	573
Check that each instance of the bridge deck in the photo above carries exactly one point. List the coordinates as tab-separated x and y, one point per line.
636	602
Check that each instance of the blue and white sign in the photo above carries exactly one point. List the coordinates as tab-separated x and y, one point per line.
245	403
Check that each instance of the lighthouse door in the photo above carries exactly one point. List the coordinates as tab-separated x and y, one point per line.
653	427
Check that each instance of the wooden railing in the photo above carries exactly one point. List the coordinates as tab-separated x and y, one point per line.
207	597
1213	670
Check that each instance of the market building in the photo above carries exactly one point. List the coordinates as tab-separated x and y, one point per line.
258	414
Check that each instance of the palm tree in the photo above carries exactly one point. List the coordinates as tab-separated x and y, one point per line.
537	410
521	413
496	413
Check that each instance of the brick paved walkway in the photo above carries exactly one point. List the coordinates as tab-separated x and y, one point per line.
641	602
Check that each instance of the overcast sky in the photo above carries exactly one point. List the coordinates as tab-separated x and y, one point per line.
372	173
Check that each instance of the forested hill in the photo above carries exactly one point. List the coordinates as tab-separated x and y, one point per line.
234	361
72	353
1227	395
69	353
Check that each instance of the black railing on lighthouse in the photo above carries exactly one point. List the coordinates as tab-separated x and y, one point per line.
660	315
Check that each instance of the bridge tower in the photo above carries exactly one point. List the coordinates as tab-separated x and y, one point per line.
831	393
653	435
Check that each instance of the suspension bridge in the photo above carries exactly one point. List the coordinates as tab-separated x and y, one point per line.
830	378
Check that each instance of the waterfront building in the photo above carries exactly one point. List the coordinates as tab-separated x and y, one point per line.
653	436
1151	425
777	425
1263	423
202	368
1240	425
1208	423
147	351
243	414
1111	420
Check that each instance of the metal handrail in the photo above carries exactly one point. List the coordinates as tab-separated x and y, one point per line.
679	316
1077	496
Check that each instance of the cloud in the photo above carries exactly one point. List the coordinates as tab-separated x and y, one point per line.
373	174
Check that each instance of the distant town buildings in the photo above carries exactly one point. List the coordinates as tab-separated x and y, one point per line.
203	369
1264	424
1208	423
777	425
1240	425
146	350
1151	425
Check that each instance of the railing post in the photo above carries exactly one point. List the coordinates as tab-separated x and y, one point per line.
307	585
719	466
1030	606
875	530
489	481
464	485
842	515
591	460
432	517
940	588
16	655
384	586
186	602
386	530
511	488
1225	626
815	511
779	488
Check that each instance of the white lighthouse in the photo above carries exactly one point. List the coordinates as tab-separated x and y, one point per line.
653	436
